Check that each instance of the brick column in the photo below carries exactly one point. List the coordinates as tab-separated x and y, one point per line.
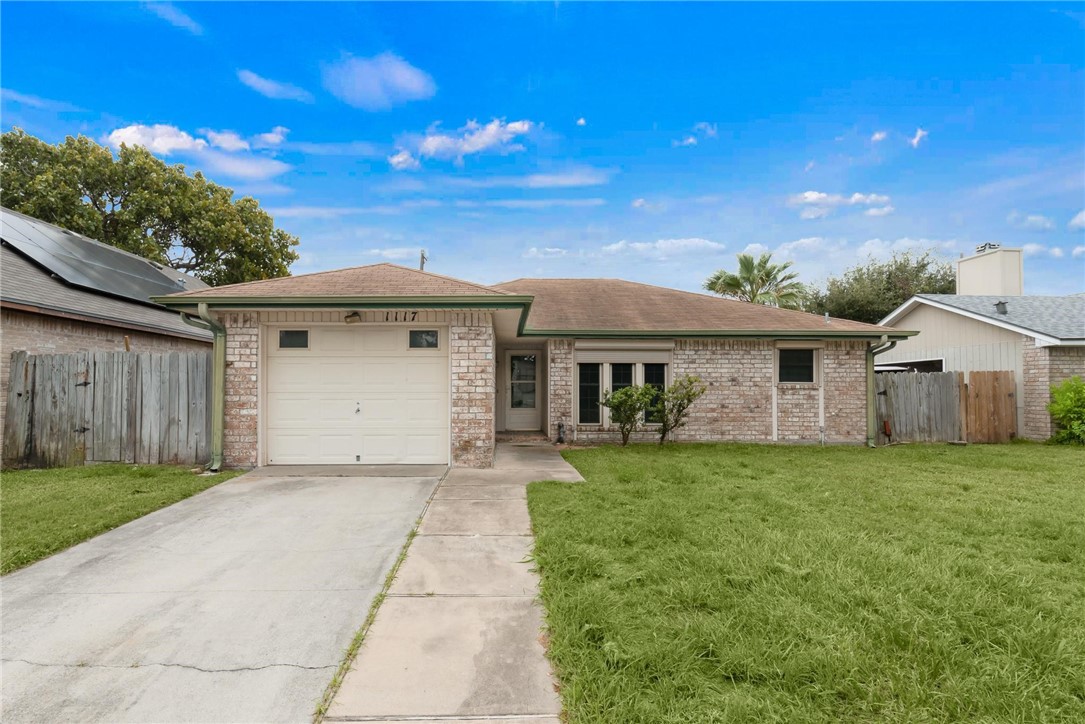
471	336
844	379
1043	368
559	364
242	389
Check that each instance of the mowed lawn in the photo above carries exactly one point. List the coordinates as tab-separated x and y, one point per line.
45	511
719	583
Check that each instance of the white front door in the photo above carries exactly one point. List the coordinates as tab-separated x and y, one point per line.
522	394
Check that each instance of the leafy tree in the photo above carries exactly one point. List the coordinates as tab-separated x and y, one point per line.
759	281
672	407
627	407
1067	407
138	203
868	292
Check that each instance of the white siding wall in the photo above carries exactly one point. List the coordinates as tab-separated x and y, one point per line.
965	344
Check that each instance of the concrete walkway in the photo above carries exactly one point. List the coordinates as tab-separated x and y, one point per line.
458	637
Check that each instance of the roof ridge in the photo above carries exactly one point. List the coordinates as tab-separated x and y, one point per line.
444	276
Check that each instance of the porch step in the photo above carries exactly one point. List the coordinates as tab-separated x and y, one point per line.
522	436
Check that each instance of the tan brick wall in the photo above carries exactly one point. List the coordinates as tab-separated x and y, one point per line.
42	334
473	390
241	430
738	403
1043	368
559	369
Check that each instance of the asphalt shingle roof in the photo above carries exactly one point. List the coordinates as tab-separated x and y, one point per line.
623	306
374	280
1061	317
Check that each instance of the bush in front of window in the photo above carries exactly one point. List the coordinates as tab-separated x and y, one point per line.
1068	410
673	404
627	407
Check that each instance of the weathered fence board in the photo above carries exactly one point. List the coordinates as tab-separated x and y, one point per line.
942	407
146	408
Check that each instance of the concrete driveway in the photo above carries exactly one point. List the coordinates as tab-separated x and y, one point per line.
235	605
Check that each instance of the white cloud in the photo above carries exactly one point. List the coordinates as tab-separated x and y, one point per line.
878	136
403	161
915	140
226	140
815	212
755	249
398	253
274	137
1078	251
1078	222
687	141
1040	249
534	203
251	168
160	138
1030	222
808	244
497	136
818	204
273	88
581	122
639	204
708	129
347	148
569	178
882	248
31	101
880	211
175	17
546	252
664	248
377	83
809	166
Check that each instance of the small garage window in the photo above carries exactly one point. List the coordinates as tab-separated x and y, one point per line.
796	365
293	339
424	339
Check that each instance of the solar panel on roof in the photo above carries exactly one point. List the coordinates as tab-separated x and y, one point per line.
86	263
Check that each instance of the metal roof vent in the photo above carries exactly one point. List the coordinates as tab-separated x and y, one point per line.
1000	307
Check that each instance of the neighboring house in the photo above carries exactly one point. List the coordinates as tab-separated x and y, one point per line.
385	364
61	292
1040	338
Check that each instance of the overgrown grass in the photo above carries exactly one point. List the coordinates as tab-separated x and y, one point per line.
45	511
713	583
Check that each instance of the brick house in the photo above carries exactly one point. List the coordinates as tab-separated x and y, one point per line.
385	364
61	292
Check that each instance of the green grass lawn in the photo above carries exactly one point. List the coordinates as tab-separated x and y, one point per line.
718	583
45	511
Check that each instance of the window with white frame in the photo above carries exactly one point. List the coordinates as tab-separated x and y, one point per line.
595	378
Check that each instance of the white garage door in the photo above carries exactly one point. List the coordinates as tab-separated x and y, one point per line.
351	394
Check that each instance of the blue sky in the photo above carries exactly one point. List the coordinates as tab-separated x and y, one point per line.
650	142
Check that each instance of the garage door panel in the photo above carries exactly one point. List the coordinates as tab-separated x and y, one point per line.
357	395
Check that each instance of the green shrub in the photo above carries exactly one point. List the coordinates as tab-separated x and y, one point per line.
673	404
627	407
1068	409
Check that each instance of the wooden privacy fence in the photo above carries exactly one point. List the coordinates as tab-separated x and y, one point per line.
69	409
942	407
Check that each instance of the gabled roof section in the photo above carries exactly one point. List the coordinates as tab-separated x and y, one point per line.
374	280
1052	319
621	307
88	264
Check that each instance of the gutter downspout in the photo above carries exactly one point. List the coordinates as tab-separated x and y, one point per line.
218	379
873	349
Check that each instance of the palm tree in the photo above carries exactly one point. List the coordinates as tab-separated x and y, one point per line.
760	281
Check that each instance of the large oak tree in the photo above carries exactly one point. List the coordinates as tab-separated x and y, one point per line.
137	202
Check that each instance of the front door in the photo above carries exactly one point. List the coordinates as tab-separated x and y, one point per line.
522	408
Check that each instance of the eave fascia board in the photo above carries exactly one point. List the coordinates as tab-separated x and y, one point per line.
716	334
1046	339
350	302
